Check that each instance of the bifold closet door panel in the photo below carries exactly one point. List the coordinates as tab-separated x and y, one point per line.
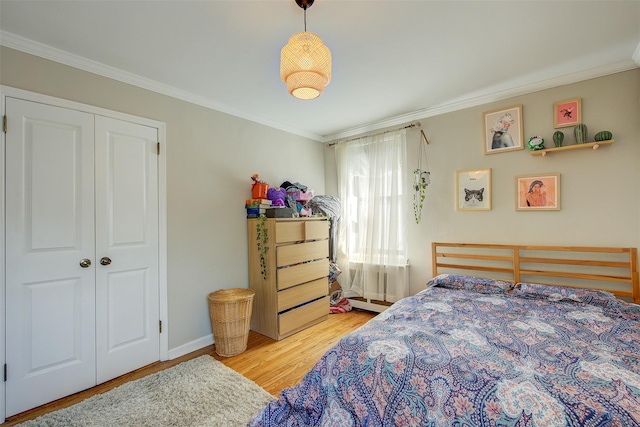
127	292
50	265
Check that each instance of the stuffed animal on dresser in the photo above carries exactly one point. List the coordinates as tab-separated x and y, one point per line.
277	196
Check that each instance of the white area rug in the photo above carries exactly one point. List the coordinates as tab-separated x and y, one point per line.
199	392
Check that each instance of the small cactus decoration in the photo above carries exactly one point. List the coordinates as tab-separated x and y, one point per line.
580	132
558	137
604	135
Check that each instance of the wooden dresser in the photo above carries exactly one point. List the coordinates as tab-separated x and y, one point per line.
291	282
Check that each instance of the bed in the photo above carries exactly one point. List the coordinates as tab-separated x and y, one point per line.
474	350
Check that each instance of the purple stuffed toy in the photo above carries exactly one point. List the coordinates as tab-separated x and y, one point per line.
277	196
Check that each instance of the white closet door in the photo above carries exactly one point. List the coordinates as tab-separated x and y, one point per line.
50	309
127	307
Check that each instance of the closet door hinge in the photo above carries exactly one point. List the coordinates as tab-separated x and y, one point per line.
160	327
4	123
158	148
5	372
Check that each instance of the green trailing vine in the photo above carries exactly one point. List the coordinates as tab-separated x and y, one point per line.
262	240
421	180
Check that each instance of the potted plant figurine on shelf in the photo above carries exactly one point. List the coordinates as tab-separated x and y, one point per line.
262	242
558	138
580	133
603	135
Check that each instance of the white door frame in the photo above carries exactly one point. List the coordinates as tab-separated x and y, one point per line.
6	91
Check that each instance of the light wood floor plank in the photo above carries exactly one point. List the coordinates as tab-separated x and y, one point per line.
273	365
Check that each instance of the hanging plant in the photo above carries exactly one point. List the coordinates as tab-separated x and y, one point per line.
421	178
420	182
262	240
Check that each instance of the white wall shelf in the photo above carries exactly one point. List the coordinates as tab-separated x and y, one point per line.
592	145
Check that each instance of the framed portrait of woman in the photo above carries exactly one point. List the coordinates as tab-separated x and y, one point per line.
503	130
538	192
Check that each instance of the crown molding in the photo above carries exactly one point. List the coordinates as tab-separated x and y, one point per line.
22	44
25	45
489	97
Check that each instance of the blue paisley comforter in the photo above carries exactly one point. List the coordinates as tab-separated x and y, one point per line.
464	352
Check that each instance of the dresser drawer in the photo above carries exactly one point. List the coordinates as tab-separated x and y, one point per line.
302	273
302	293
301	317
295	254
297	231
316	230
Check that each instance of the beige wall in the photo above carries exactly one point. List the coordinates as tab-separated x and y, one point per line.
600	190
210	159
211	156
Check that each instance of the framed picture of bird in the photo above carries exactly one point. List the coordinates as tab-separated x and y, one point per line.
567	113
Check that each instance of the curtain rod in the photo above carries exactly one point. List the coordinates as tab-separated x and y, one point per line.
412	125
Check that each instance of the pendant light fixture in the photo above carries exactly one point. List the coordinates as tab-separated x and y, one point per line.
305	62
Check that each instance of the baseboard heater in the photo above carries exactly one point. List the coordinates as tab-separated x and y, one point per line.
375	305
368	304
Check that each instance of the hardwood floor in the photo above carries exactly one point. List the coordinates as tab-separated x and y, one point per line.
273	365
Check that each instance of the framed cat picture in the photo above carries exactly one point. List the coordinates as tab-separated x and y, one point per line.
473	190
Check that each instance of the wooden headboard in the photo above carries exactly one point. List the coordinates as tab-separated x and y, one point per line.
611	269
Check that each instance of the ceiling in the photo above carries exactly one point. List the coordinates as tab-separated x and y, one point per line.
393	61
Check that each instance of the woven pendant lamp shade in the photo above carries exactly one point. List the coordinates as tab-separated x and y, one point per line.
305	65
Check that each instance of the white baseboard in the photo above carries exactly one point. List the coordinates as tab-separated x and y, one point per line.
190	346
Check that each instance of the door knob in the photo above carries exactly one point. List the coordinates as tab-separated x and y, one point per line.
85	263
105	260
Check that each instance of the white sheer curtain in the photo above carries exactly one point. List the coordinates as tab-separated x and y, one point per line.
372	236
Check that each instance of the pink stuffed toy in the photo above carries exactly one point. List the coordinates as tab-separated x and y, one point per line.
277	196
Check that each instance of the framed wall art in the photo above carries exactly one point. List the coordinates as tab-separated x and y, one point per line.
473	190
567	113
503	130
538	192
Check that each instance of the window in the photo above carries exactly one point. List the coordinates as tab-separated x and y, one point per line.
363	201
372	180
